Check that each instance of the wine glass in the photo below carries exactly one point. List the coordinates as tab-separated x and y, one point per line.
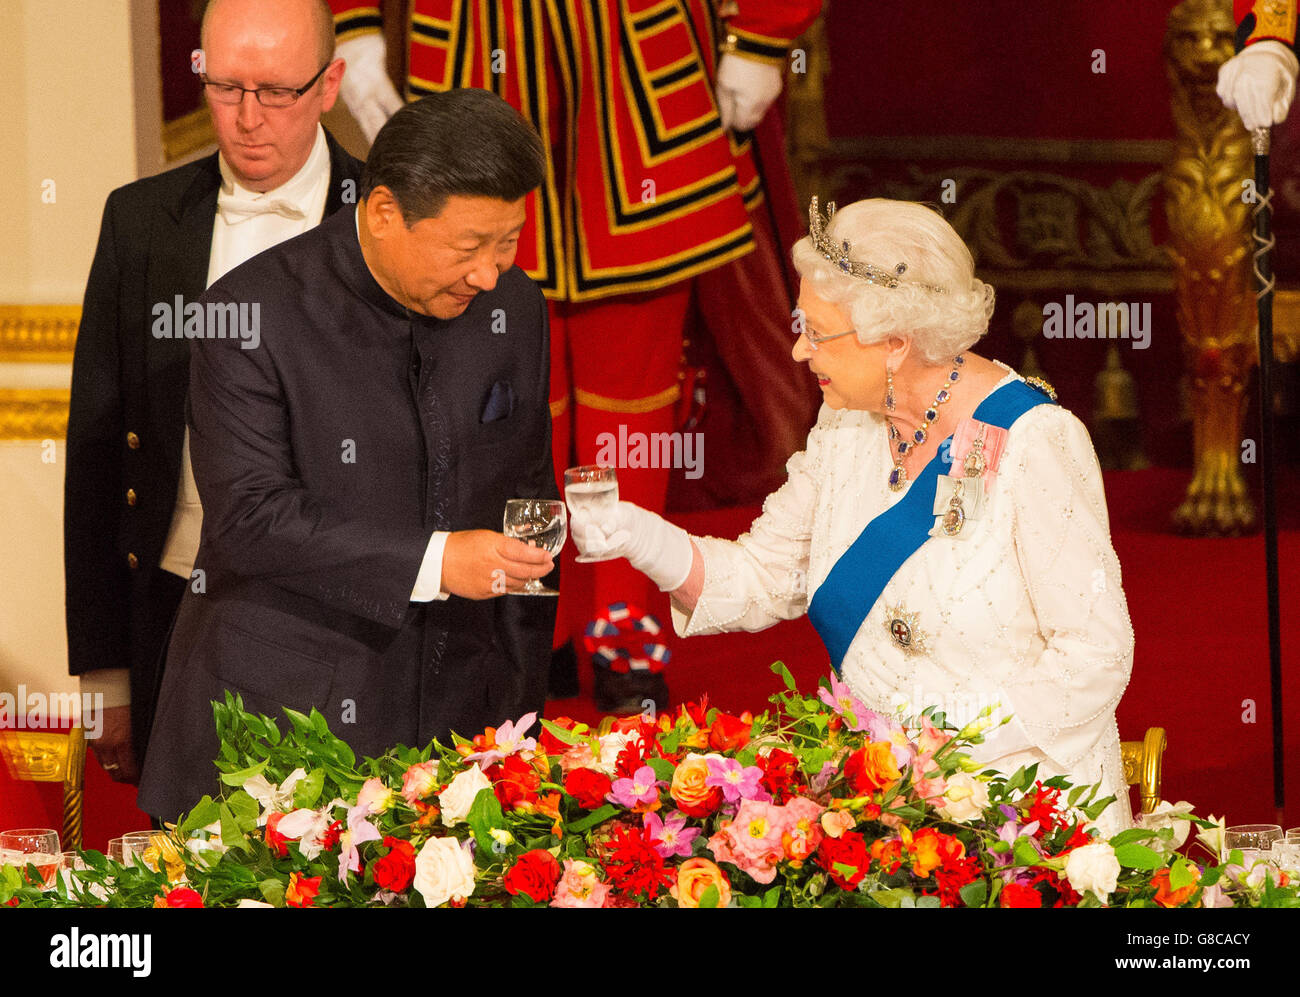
1254	840
115	852
539	523
136	843
591	487
38	846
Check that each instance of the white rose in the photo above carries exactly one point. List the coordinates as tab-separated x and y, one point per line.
1093	867
611	746
443	870
458	797
1168	814
965	798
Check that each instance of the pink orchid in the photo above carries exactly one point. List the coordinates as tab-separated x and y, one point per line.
671	837
641	790
509	740
737	782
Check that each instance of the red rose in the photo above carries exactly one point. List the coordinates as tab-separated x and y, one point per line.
730	733
1019	895
276	841
780	771
588	787
534	876
182	896
845	858
514	782
396	869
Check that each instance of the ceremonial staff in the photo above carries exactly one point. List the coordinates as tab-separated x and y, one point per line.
1264	243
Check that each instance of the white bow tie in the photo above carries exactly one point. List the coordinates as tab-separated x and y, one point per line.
236	209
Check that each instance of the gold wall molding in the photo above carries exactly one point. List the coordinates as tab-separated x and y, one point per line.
38	333
188	133
34	413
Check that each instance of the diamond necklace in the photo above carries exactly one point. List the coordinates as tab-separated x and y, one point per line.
902	447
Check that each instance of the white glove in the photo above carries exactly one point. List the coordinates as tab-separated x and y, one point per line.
745	90
366	89
655	547
1259	83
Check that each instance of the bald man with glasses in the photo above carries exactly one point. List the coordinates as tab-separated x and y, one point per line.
131	508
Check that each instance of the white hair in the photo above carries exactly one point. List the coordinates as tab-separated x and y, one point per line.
885	233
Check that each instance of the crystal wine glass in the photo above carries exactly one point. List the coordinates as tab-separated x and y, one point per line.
591	487
541	523
38	846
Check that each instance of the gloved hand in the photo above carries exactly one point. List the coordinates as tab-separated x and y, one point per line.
655	547
745	90
1259	83
366	89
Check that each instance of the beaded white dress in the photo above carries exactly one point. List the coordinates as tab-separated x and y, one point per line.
1024	609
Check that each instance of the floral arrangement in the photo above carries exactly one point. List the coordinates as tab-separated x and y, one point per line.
817	802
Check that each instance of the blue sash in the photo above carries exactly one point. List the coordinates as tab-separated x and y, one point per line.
855	582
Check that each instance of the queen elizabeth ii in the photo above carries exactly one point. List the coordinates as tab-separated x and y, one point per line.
945	527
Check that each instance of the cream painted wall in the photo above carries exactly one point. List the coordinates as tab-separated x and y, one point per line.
70	82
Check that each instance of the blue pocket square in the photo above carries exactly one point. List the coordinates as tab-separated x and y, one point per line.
500	402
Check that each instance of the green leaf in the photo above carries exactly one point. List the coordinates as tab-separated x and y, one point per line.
709	898
663	768
1132	834
974	894
930	902
272	891
592	819
890	898
484	815
1211	875
1182	873
203	814
1135	856
778	668
244	807
232	835
772	897
1025	852
560	734
243	775
307	790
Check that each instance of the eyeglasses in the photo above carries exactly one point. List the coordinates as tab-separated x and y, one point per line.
229	93
813	341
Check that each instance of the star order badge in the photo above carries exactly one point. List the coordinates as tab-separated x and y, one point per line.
904	631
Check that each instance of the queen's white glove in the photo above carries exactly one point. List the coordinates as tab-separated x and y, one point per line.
655	547
366	89
745	90
1259	82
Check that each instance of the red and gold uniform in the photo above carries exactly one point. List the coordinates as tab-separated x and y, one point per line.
1258	20
644	191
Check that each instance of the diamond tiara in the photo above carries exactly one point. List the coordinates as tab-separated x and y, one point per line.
840	256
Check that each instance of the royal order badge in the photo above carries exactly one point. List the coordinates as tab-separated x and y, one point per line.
904	631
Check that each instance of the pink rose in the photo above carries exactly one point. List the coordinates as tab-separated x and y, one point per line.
580	886
419	781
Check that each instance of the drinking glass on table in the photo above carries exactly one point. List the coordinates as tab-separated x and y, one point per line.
115	852
591	487
38	846
135	843
1254	840
540	523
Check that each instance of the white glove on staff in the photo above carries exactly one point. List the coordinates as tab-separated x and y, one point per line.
366	89
655	547
745	90
1259	83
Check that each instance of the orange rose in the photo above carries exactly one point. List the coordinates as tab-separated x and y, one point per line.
1166	897
688	790
871	767
694	877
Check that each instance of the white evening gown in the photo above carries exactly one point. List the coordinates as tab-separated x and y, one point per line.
1025	608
